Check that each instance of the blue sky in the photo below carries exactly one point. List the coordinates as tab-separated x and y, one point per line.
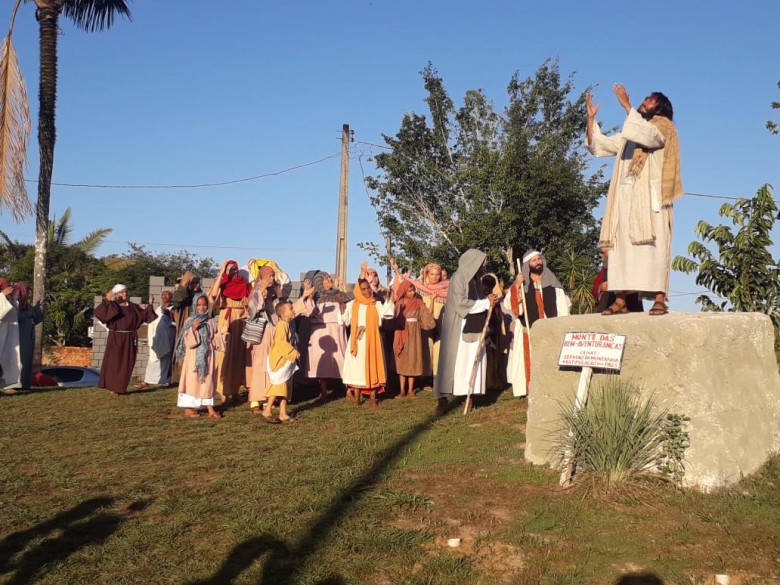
188	93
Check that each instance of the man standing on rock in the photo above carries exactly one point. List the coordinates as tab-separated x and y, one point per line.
637	225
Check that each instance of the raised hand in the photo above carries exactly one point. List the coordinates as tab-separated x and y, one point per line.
622	95
109	296
151	299
308	289
592	109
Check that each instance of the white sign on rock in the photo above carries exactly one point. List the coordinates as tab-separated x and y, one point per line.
603	351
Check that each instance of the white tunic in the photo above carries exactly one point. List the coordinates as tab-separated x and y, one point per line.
469	353
355	365
515	368
645	267
162	337
10	360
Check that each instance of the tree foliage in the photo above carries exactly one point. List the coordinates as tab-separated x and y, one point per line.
774	127
139	264
498	181
741	268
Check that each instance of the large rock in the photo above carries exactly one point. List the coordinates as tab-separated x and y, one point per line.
717	368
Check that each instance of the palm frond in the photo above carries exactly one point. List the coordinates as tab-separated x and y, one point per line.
95	15
117	263
61	229
14	134
92	241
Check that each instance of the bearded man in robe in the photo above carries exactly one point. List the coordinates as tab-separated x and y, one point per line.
637	225
536	294
122	319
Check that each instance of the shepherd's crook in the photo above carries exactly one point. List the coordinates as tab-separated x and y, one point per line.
525	307
473	377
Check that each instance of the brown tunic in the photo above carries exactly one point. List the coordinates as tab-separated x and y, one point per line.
122	322
414	354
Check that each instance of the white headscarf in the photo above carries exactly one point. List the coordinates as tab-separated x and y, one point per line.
118	288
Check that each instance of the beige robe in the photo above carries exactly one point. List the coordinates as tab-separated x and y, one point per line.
195	392
645	267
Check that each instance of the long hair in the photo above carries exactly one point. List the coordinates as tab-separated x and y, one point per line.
663	107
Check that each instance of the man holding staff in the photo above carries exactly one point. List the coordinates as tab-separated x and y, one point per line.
637	225
536	294
463	319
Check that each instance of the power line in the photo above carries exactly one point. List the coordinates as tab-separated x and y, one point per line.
194	185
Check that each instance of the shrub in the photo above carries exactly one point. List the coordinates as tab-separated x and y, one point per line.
620	435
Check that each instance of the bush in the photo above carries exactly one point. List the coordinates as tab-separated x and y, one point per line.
620	435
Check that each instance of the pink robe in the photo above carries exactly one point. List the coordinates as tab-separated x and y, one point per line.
327	343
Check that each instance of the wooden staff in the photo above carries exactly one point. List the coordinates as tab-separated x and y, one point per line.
525	307
473	376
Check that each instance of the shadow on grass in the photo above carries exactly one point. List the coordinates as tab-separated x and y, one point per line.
84	525
285	563
640	579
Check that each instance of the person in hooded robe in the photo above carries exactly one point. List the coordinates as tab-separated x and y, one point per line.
10	360
544	299
326	339
464	316
230	292
29	317
122	319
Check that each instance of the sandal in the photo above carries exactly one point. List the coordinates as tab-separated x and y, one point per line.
658	308
215	415
616	308
192	414
272	420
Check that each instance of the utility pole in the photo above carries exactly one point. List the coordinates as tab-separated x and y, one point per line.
341	230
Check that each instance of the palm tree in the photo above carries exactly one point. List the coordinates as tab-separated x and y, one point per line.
88	15
60	231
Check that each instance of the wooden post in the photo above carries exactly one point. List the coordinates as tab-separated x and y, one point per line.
473	377
579	402
341	230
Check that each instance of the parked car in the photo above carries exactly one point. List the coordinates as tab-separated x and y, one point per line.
72	376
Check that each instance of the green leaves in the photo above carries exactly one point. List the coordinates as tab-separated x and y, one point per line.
498	181
740	268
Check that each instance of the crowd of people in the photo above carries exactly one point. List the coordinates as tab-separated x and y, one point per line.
244	335
457	336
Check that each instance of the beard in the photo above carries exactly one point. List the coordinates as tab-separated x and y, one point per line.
537	269
648	113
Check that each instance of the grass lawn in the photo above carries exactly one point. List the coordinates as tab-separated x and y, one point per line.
102	489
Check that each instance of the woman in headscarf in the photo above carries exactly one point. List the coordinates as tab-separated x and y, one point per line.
364	363
327	342
266	294
29	317
411	319
196	351
433	290
231	294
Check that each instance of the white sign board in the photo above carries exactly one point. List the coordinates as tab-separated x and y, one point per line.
592	350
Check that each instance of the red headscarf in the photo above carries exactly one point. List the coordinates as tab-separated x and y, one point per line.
235	288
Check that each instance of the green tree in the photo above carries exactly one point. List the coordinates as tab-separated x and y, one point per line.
138	264
498	181
741	268
774	127
88	15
